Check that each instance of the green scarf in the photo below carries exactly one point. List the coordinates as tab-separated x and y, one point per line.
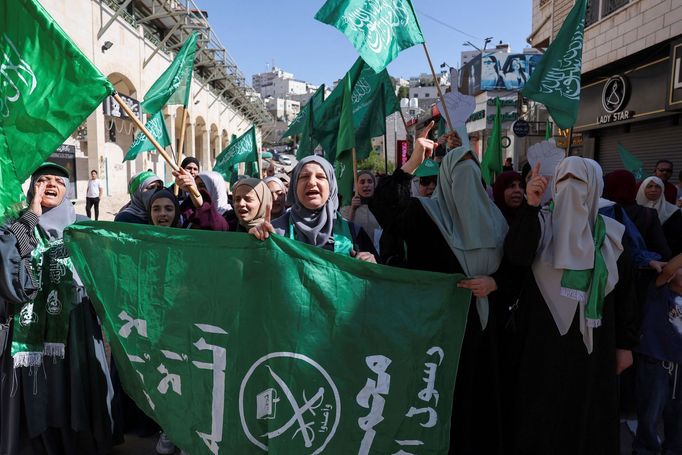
343	239
576	284
42	326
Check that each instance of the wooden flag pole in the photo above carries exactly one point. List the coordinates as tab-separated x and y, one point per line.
176	189
436	81
154	142
355	172
386	152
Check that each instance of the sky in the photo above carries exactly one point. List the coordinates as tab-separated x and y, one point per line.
258	32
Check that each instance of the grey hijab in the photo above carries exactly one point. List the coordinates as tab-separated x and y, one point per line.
567	241
314	227
468	219
139	197
54	220
215	184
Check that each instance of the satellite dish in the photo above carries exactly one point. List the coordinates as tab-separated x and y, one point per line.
404	102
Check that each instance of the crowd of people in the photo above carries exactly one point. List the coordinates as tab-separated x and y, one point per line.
575	280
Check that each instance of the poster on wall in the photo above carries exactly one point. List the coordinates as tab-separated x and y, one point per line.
506	71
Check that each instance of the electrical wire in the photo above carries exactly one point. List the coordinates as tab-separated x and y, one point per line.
444	24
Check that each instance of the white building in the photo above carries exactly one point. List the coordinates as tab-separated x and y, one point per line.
125	45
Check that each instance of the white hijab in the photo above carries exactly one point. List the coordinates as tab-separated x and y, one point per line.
567	241
664	208
215	185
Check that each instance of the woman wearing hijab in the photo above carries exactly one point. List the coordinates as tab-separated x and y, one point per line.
54	393
457	230
207	212
313	217
279	196
508	194
252	199
578	313
651	195
164	209
141	188
192	166
359	213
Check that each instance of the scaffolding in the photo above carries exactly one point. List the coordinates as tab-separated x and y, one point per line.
167	24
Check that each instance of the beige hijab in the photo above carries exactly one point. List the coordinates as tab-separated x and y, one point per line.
567	241
264	196
664	208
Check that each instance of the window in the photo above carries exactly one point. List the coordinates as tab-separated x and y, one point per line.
599	9
416	95
427	95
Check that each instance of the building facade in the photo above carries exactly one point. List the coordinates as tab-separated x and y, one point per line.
631	77
132	44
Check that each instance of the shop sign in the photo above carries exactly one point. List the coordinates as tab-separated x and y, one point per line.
521	128
614	98
674	100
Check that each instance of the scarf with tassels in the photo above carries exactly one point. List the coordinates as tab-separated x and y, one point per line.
41	327
588	286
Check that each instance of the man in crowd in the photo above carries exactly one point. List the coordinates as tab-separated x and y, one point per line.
664	170
93	195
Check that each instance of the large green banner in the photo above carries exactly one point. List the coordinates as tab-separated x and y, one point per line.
238	346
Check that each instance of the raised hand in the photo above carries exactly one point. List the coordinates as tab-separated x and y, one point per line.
363	256
423	149
263	231
536	187
451	140
183	179
38	193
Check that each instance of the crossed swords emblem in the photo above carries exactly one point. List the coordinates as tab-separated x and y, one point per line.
309	405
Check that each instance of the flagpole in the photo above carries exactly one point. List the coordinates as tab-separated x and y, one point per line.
436	81
385	153
176	189
151	138
259	158
355	172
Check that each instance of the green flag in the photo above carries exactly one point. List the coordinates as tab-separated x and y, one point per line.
307	144
492	159
155	125
244	149
173	87
345	142
549	130
47	89
378	29
366	88
305	115
556	80
631	163
329	355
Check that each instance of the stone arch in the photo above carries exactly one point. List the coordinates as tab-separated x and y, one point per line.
215	143
201	142
224	139
123	132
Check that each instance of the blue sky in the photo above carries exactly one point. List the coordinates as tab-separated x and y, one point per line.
256	32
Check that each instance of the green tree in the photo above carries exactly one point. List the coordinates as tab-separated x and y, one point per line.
375	163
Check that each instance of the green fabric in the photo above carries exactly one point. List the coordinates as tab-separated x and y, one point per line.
191	316
173	86
157	127
631	163
138	180
343	239
549	130
441	126
378	29
305	115
492	159
428	168
556	80
47	89
373	98
345	142
577	283
244	149
307	144
41	327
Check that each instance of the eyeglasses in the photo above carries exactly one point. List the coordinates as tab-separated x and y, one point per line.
667	169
